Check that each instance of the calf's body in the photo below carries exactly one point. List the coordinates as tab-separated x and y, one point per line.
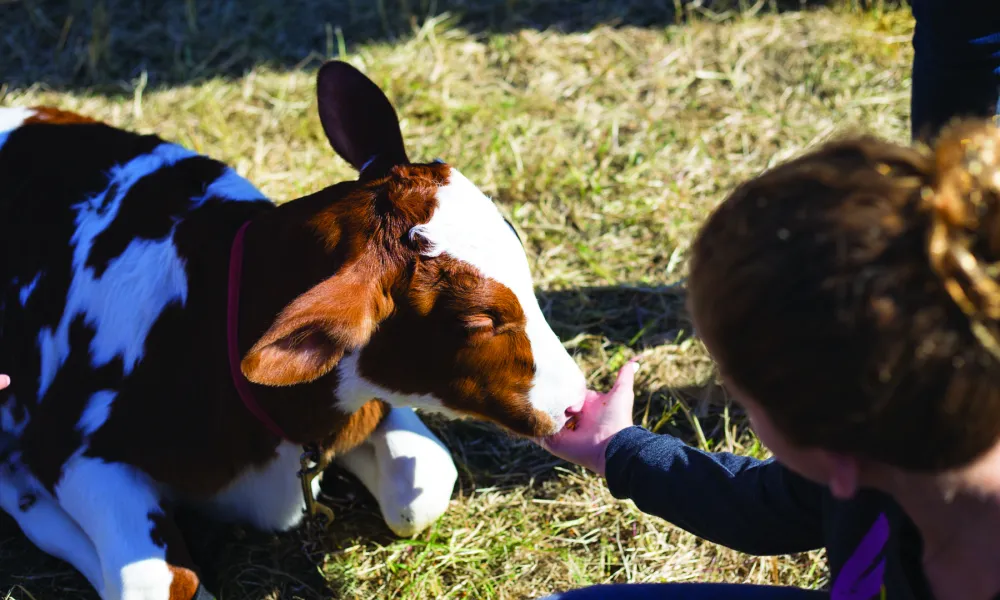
354	304
116	250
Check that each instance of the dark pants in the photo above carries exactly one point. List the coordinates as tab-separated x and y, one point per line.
688	591
956	66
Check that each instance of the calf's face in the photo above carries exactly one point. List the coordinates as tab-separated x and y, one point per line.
432	304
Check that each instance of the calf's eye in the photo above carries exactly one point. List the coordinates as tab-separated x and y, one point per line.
479	322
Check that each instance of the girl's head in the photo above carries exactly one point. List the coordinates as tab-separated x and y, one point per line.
850	297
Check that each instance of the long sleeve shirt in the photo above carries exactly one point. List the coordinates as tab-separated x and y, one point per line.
760	507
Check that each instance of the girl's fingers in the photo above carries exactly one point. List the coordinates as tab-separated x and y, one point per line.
626	376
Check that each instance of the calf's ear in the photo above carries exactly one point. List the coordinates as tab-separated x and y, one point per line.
312	334
358	118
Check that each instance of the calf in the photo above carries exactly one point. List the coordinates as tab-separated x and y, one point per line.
174	337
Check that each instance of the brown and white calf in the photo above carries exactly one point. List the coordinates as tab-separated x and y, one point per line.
176	338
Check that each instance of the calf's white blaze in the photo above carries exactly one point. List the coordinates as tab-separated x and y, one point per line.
467	226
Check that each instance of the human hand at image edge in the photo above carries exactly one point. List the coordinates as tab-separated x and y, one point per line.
585	440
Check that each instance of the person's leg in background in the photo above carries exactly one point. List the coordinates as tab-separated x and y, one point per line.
956	65
688	591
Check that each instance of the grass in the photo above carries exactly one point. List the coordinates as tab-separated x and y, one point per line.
607	132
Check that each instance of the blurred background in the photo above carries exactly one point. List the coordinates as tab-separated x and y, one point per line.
605	129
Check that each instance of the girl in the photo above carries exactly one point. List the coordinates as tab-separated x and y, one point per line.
851	299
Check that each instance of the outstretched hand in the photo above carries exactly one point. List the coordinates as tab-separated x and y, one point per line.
4	381
600	418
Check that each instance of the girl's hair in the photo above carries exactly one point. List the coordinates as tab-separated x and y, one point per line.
853	293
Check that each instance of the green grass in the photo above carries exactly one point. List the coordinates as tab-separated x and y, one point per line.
607	145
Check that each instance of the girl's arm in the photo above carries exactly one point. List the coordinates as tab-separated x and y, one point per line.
754	506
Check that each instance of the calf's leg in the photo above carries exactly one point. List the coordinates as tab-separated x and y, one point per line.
45	523
142	555
408	470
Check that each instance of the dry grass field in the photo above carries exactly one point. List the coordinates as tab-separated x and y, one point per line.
606	129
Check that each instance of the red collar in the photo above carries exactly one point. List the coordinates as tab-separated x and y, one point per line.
232	336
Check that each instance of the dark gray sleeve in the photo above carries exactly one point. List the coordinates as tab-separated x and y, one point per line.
753	506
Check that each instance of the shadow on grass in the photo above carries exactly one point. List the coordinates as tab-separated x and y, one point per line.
235	562
242	563
106	46
636	316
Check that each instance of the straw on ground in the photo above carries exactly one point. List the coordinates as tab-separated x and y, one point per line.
606	147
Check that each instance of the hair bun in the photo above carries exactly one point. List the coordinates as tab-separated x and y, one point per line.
964	236
967	163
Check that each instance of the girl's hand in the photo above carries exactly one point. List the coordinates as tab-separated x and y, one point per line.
4	381
600	418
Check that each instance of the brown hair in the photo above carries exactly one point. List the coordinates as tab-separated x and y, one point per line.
853	294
